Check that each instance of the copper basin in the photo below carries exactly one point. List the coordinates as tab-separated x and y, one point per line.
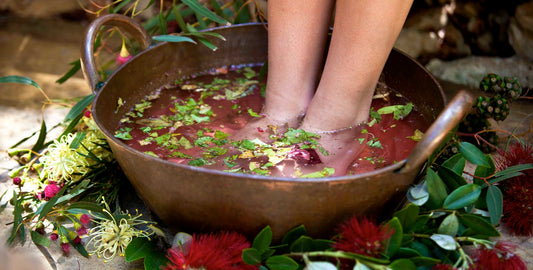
196	199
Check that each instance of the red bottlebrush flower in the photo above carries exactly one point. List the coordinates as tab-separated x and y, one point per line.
499	257
518	191
210	252
51	190
54	236
362	236
443	267
17	181
65	247
85	219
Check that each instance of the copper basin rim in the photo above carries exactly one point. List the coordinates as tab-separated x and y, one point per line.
200	200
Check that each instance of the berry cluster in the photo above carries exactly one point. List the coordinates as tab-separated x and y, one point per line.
496	105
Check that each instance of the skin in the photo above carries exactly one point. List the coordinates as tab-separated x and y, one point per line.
339	94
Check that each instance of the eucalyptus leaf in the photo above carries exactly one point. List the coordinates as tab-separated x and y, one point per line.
203	11
38	146
418	194
78	246
19	79
462	197
76	66
18	227
79	107
280	262
39	239
473	154
444	241
449	226
173	38
495	204
514	169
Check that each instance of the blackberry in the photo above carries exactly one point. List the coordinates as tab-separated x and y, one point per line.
511	87
491	83
473	123
500	107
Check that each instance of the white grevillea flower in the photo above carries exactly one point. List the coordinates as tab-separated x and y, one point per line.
111	236
61	162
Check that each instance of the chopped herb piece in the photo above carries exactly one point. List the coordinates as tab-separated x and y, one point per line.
323	173
185	143
221	135
204	141
374	143
179	154
249	73
417	136
123	133
252	113
150	153
146	129
399	111
247	144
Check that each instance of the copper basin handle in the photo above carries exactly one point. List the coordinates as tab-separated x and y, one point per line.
450	117
87	58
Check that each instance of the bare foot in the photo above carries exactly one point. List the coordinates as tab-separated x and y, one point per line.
265	127
334	153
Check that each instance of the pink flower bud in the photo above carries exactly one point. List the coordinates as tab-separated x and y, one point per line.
17	181
51	190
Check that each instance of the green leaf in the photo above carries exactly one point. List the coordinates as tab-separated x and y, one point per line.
201	10
18	227
173	38
514	169
436	188
395	241
45	208
281	263
79	247
444	241
421	261
19	79
40	140
262	240
207	43
462	197
407	216
473	154
478	225
155	260
251	256
405	252
76	66
138	248
450	225
402	264
455	163
418	194
495	204
302	244
452	179
486	171
39	239
90	208
293	235
79	107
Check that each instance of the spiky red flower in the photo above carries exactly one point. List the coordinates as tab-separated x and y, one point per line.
500	257
518	191
85	219
210	252
362	236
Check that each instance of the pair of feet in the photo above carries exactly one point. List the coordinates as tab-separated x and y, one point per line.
341	147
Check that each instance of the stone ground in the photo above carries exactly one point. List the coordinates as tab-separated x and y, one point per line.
41	49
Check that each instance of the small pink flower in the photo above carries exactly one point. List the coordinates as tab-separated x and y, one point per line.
17	181
54	236
87	114
498	257
85	219
124	55
76	240
81	230
65	247
51	190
